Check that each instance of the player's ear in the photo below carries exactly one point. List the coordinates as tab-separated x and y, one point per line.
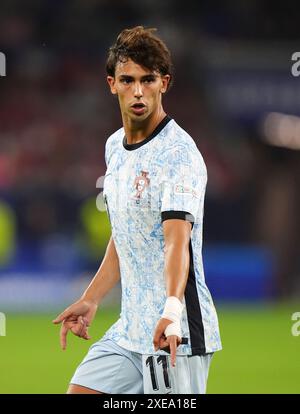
111	81
165	82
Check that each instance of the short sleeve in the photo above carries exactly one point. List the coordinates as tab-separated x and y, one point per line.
107	153
183	184
112	145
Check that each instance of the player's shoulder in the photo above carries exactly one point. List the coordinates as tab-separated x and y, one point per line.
179	140
115	137
177	137
113	142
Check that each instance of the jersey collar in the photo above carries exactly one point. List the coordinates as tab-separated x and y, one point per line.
156	131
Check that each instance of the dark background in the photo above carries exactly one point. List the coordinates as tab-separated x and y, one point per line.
232	69
235	94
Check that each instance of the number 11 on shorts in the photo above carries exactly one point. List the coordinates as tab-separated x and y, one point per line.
156	374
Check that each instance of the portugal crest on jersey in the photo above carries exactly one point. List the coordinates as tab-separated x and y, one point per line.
140	183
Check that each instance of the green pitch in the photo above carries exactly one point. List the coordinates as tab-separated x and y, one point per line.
260	354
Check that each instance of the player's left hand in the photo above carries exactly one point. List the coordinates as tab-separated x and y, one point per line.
161	342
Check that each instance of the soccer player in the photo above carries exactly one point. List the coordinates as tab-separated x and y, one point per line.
154	191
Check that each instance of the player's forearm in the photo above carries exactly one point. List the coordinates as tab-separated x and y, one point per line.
176	268
106	277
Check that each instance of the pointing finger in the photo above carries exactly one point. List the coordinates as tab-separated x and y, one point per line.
173	347
63	336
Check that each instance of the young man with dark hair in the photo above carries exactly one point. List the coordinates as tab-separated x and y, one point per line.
154	191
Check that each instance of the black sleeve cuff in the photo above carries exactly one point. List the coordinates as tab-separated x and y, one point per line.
181	215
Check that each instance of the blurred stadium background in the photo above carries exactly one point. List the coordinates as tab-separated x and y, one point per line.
239	101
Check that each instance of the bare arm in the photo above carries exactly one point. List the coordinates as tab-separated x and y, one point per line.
177	235
78	316
106	277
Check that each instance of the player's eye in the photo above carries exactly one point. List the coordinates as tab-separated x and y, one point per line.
148	80
126	81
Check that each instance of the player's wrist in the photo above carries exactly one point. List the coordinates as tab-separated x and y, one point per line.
173	329
91	299
173	310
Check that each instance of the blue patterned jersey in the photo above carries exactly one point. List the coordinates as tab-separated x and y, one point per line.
160	178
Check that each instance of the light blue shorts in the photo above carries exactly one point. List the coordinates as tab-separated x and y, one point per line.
110	369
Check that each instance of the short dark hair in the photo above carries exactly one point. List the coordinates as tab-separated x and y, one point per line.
144	48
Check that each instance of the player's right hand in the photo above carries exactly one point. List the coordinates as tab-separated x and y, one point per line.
160	341
76	318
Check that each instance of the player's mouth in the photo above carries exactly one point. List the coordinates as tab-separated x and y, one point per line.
138	108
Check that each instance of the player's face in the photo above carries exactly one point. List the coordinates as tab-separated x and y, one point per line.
139	90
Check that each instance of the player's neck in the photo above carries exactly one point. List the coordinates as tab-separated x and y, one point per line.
138	131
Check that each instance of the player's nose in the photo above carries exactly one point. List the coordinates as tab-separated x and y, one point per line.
138	90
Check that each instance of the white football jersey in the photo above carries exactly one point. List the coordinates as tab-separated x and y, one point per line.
163	177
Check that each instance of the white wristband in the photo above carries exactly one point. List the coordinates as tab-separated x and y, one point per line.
173	310
173	329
